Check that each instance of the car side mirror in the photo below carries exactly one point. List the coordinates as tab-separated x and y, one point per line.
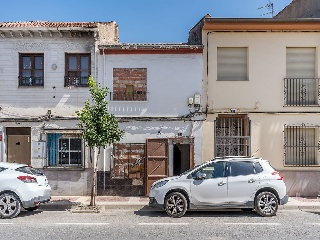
200	176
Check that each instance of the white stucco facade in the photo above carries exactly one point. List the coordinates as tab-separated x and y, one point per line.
165	114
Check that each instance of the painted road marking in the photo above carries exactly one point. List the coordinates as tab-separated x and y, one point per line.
161	224
95	223
6	223
262	224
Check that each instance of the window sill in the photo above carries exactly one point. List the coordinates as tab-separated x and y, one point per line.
64	168
31	86
126	101
304	106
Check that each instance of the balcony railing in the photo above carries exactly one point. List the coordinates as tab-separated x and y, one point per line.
30	81
128	96
76	81
301	91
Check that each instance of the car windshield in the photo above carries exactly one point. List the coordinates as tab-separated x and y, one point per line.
29	170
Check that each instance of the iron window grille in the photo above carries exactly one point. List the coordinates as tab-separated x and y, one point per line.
31	72
65	149
301	91
301	145
232	136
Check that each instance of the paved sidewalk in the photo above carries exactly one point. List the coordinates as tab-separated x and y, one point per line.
80	203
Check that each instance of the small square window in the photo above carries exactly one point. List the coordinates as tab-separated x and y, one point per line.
232	64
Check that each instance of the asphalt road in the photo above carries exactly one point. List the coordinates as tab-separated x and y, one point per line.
146	224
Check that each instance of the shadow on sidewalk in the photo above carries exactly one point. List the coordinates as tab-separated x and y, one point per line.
58	205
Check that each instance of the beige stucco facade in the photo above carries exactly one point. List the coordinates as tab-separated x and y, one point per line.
261	96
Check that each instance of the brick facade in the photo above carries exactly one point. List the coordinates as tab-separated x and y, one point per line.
130	84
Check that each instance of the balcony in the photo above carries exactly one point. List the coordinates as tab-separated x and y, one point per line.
76	81
128	96
301	92
30	81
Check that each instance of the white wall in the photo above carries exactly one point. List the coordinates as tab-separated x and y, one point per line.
171	80
26	102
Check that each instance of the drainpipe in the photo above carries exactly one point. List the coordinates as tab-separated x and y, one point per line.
207	80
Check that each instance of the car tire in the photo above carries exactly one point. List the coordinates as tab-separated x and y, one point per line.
266	204
32	208
9	205
176	204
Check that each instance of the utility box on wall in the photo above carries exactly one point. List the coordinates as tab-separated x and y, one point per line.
38	154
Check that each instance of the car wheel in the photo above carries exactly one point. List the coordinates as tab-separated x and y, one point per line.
9	205
32	208
266	204
176	204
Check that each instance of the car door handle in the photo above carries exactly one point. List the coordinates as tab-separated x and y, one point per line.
221	183
251	181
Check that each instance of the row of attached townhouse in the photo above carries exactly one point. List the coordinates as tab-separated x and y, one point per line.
155	92
44	69
261	94
238	87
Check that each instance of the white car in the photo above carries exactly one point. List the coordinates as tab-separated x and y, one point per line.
21	186
231	182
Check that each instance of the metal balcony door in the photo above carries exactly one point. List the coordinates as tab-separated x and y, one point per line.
157	161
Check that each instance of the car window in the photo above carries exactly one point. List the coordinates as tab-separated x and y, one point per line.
213	170
29	170
258	168
241	168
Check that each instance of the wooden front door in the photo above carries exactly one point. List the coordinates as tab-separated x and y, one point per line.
157	161
19	145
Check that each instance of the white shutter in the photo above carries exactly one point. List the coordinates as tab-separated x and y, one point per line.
232	64
301	62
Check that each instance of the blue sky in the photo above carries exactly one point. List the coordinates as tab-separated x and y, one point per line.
140	21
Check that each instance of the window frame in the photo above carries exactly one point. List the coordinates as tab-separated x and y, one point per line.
70	80
225	73
32	69
54	150
230	140
301	85
300	146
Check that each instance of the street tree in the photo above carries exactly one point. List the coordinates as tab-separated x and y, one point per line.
98	127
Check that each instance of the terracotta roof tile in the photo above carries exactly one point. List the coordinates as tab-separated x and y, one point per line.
47	24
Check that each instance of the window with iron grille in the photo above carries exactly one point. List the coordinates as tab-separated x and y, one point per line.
31	69
64	149
232	136
232	64
301	145
78	69
128	160
301	87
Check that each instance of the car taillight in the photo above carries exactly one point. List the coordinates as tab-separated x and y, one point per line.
280	177
27	179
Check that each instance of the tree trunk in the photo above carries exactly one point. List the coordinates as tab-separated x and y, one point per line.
94	180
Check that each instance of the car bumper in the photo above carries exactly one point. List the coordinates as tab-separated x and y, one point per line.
154	204
35	196
284	200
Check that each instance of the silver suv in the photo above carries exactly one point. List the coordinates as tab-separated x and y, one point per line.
231	182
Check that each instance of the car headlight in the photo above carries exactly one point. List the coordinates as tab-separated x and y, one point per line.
159	184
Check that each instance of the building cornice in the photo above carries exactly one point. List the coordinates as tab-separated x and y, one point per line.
261	24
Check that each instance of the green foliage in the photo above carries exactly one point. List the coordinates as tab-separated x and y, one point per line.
99	128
